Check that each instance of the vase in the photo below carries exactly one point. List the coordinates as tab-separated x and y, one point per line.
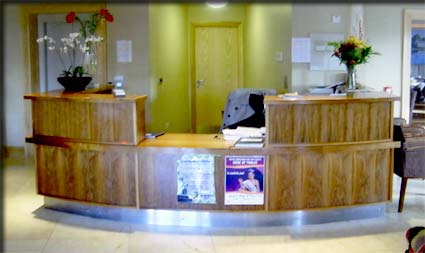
74	83
351	77
90	64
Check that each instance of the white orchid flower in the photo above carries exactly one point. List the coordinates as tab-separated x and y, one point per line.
84	48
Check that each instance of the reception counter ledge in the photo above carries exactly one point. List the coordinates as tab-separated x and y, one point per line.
320	152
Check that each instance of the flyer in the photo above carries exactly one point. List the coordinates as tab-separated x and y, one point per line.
195	179
244	180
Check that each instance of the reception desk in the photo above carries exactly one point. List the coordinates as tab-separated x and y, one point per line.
320	152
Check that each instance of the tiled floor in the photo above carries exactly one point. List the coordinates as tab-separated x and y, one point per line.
29	228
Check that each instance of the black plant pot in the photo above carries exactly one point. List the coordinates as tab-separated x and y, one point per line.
74	83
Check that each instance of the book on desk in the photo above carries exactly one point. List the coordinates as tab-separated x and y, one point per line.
250	142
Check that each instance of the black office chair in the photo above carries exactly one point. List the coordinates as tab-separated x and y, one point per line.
245	107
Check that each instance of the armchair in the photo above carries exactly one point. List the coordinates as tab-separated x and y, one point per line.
409	159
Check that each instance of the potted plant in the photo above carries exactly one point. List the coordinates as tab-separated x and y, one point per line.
75	75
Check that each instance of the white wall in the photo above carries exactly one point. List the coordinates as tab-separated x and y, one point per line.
317	18
384	31
13	78
131	22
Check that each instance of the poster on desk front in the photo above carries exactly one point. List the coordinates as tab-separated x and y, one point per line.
195	179
244	183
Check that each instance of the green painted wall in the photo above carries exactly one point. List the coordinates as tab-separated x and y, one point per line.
268	31
169	61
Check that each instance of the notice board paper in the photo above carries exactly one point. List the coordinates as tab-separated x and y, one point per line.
300	50
124	51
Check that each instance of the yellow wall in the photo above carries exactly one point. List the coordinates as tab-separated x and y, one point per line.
169	61
267	31
203	13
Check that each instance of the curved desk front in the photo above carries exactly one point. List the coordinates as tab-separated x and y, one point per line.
321	152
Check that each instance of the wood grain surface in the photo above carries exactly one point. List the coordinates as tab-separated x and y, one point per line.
90	173
113	121
328	123
328	179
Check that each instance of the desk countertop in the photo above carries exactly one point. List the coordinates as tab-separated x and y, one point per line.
327	99
83	96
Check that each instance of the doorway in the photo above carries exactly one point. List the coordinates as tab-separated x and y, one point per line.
216	71
411	17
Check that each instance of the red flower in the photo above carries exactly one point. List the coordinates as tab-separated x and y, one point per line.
352	62
103	12
109	17
70	18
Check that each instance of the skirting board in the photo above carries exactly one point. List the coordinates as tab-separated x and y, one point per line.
215	219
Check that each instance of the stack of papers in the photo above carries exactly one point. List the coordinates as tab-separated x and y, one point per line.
236	134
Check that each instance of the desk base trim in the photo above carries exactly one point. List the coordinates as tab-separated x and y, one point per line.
218	218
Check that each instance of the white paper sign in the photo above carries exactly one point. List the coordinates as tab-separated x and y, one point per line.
124	51
195	179
300	50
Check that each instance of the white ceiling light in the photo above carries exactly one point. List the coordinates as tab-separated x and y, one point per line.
217	4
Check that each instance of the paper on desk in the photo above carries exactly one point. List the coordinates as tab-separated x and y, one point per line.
235	134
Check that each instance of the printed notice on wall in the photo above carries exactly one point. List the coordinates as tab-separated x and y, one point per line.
124	51
244	180
300	50
195	179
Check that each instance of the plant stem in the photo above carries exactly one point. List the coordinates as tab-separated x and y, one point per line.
60	58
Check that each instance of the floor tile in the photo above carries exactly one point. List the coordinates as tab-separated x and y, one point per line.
81	244
13	245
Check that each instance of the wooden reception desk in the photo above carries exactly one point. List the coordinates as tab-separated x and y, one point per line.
321	152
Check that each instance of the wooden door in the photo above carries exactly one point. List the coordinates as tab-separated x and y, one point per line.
216	73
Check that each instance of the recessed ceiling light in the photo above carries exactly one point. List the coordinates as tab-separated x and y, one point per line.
216	5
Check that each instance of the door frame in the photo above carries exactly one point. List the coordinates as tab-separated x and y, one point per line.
408	16
29	29
192	58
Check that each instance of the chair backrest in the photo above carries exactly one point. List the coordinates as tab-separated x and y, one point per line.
413	94
237	105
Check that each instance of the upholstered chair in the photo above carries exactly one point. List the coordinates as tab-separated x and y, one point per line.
409	159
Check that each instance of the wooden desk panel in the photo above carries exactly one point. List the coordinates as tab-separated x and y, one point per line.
90	117
330	179
158	178
89	173
328	123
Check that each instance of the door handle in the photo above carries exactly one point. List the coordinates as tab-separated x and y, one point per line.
199	83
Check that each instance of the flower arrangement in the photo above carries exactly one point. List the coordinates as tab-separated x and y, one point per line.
352	51
82	42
